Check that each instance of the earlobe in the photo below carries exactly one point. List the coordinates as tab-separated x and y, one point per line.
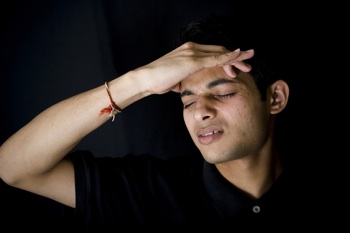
279	96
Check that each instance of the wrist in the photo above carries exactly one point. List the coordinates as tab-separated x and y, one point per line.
127	89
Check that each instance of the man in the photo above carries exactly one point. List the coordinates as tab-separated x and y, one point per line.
231	99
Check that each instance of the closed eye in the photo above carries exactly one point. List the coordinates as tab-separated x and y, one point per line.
188	105
225	96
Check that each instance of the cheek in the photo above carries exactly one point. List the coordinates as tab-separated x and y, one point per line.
237	109
187	119
253	117
189	122
241	116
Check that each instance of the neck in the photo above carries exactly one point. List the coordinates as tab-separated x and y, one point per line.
254	175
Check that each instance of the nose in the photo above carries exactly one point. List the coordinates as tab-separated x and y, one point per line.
204	109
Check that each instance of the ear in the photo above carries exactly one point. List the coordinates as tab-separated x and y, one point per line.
279	96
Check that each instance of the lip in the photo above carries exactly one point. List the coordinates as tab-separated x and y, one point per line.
209	134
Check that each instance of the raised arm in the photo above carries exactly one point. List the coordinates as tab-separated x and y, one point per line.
33	158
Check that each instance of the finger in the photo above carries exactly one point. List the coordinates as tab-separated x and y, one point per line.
243	66
237	57
205	48
239	63
244	55
229	71
221	59
176	88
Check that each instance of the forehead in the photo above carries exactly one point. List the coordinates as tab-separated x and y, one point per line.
208	77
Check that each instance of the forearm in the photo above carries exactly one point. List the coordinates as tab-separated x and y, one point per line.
39	146
45	141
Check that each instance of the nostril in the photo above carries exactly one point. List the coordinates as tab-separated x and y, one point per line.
205	117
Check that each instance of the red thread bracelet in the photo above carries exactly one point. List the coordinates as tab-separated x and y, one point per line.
112	109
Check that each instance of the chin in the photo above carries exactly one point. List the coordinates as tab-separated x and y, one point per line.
213	158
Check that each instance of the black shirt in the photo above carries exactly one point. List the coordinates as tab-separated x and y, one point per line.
181	194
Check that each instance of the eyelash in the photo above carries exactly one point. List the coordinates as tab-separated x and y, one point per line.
225	96
217	96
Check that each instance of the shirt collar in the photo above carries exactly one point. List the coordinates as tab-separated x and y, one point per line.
227	199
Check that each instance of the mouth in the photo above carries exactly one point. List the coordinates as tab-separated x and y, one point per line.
209	136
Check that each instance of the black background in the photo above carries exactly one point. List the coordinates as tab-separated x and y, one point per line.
51	50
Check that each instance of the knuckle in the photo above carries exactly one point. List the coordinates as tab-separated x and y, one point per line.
188	45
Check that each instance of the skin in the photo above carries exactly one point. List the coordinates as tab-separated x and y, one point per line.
233	128
34	158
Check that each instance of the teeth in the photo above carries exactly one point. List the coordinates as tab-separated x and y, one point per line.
211	133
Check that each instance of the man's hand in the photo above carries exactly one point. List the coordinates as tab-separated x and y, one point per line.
165	74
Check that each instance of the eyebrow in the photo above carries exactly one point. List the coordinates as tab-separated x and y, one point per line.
210	85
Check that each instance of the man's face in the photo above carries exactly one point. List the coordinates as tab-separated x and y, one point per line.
225	117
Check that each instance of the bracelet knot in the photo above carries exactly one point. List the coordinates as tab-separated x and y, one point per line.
112	108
